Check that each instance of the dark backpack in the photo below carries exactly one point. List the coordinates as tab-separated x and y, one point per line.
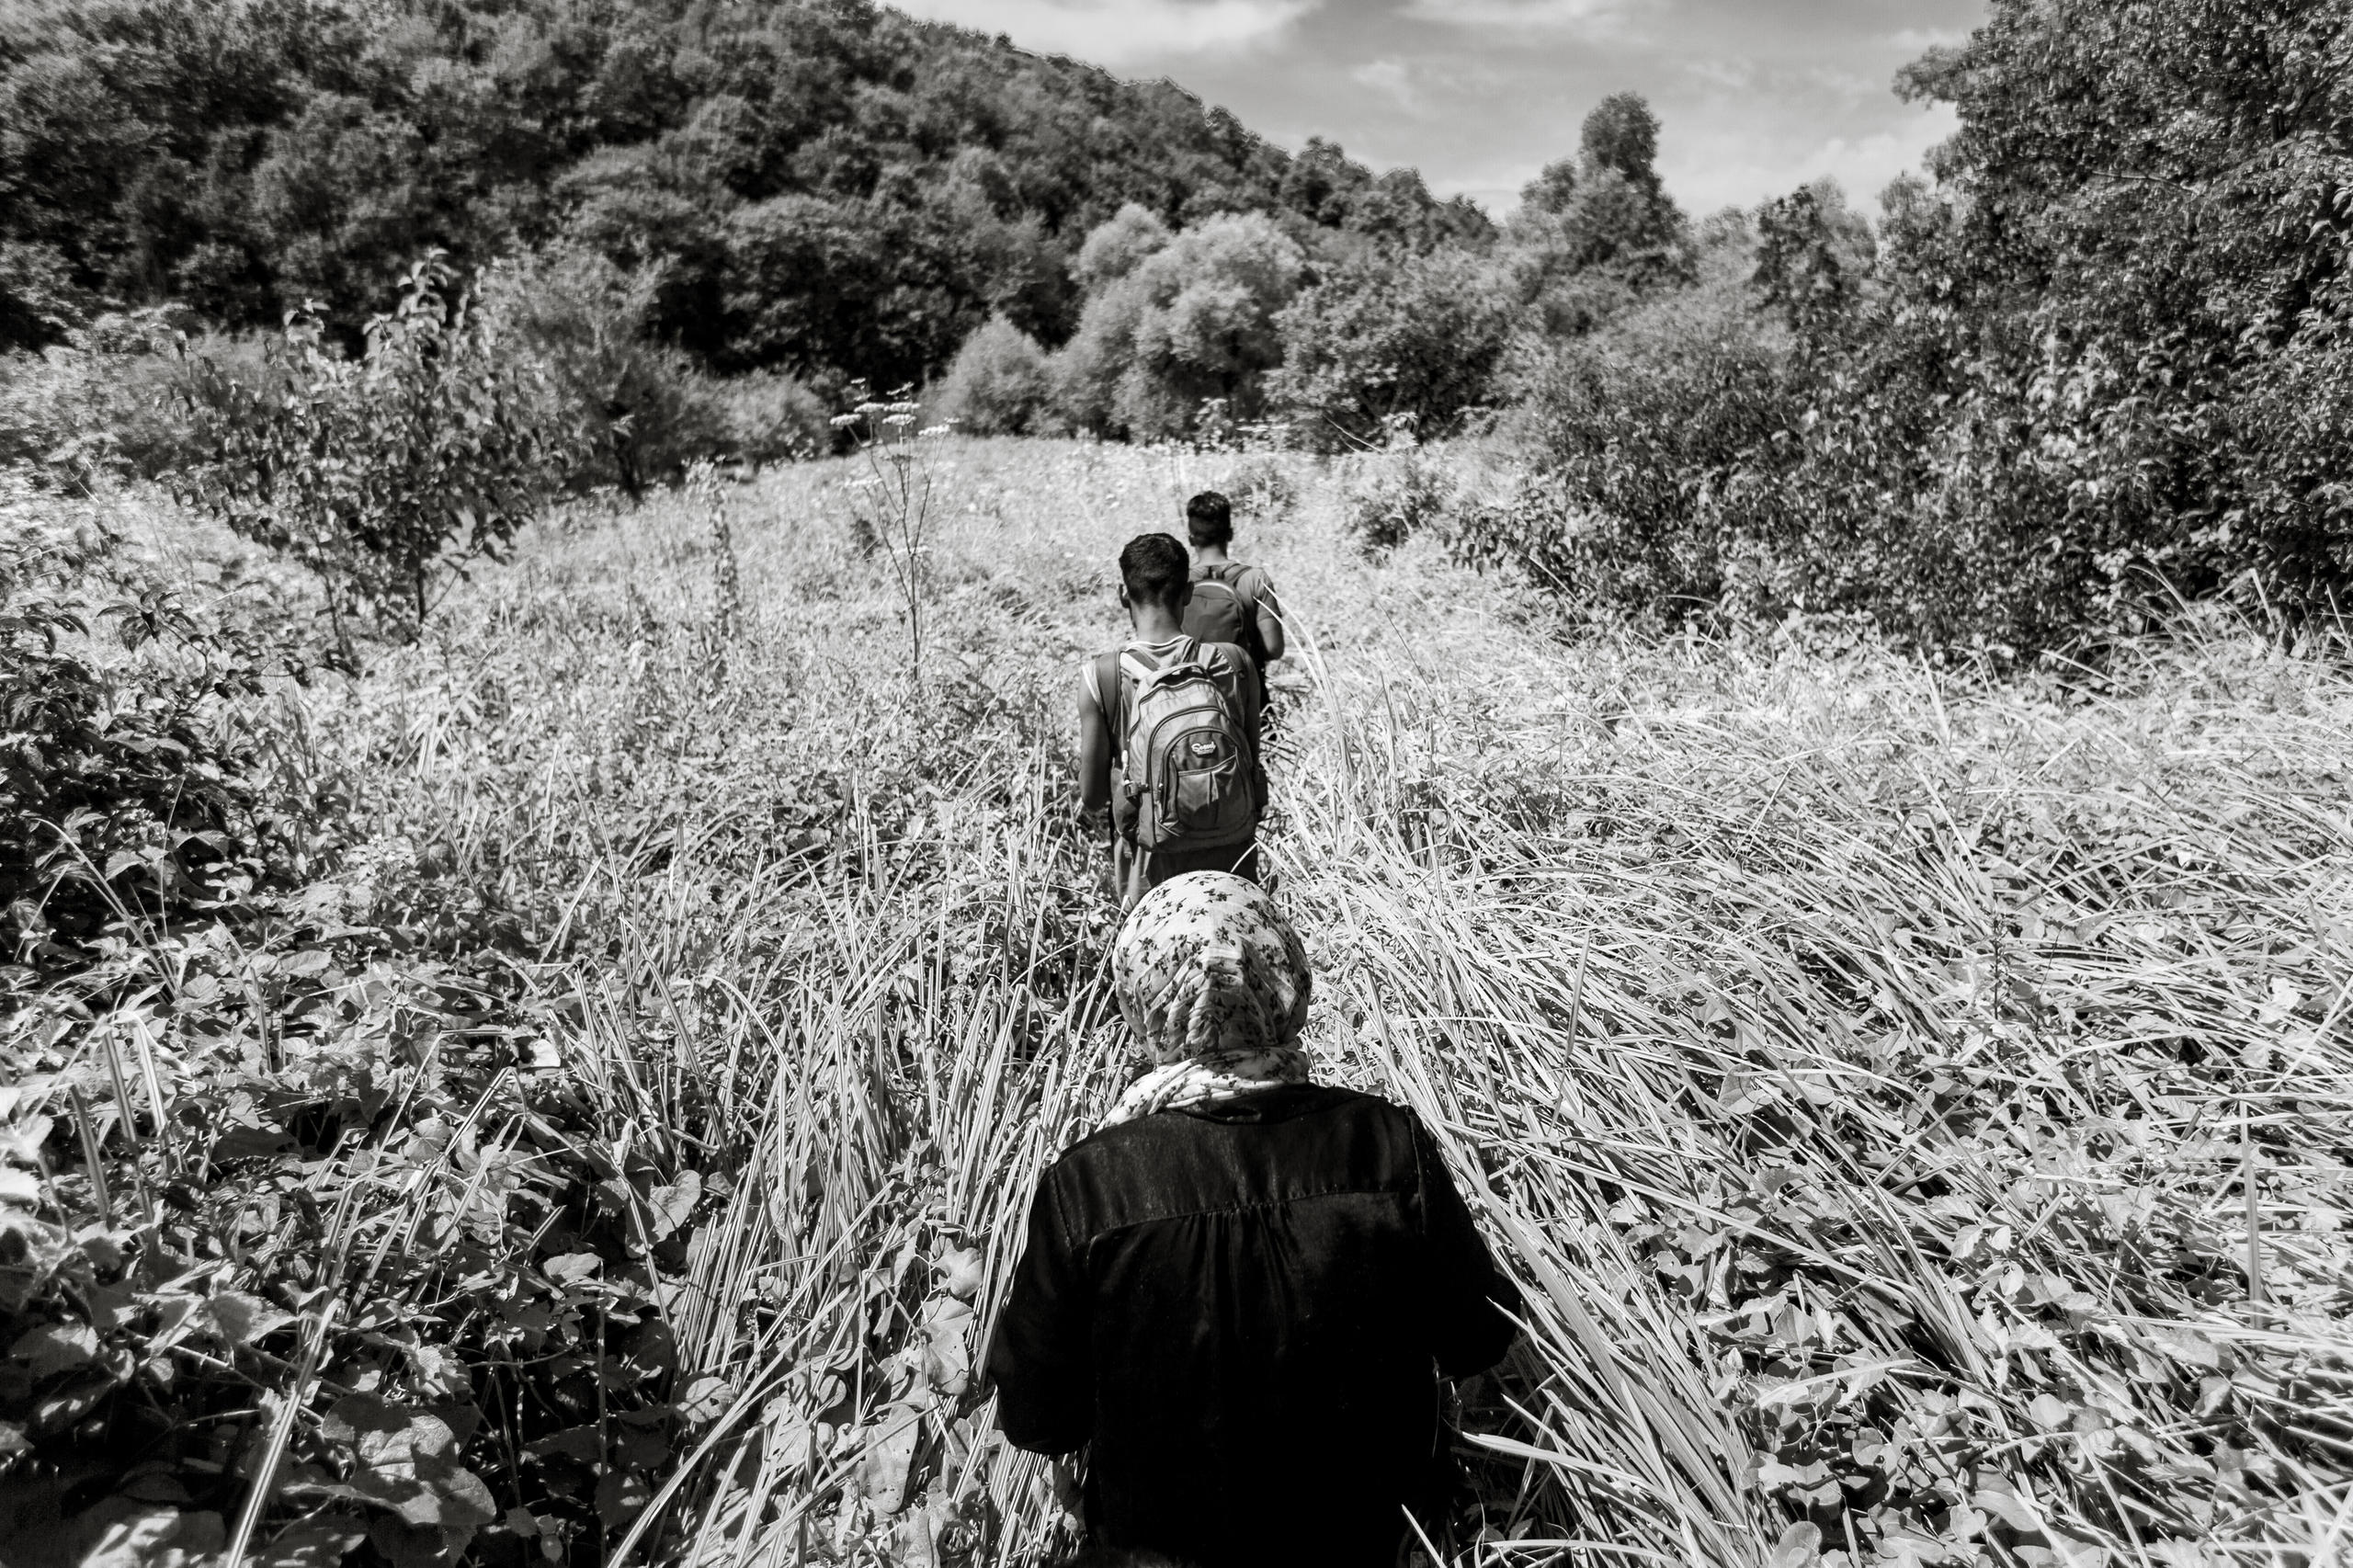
1184	774
1224	609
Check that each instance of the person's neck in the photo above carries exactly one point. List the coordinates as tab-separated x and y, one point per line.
1153	623
1211	555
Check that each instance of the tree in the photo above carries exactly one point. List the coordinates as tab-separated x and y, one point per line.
1549	191
1194	320
2149	265
1117	246
249	158
998	383
1621	135
1084	376
643	411
386	474
1812	255
1413	334
1590	241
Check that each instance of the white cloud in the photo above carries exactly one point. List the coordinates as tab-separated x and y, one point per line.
1391	78
1850	85
1120	32
1919	41
1731	75
1518	16
1717	174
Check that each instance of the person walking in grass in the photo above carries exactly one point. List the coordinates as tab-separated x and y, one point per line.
1238	1294
1169	736
1232	602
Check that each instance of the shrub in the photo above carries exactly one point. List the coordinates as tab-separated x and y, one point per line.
1403	493
1261	489
105	398
129	790
1644	435
643	408
998	383
767	417
384	475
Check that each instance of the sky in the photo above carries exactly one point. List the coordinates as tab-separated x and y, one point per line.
1755	96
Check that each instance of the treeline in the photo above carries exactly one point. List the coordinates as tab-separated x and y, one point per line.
827	188
1339	335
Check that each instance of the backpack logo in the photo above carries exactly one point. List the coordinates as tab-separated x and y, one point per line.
1189	777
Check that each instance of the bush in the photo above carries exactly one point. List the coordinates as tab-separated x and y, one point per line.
384	475
1261	489
998	384
643	410
106	398
768	417
128	789
1403	493
1644	436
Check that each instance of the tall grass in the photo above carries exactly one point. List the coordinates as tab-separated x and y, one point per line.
1915	1109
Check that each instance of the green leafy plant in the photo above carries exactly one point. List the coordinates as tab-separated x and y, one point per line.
997	385
1403	491
131	786
768	417
1171	325
643	410
383	475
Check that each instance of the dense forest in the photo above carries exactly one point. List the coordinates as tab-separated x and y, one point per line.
824	186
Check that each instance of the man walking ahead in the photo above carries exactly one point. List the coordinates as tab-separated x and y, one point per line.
1232	602
1169	734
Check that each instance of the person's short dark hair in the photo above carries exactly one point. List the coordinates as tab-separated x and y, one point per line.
1155	569
1209	519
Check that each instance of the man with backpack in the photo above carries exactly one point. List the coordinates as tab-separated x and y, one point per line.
1169	734
1232	602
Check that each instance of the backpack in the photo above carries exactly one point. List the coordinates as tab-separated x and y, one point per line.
1221	612
1186	775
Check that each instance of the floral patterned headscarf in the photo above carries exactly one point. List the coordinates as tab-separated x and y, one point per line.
1215	984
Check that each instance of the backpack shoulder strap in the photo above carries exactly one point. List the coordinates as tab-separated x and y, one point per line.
1112	695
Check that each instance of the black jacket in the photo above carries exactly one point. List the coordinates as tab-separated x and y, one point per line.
1244	1310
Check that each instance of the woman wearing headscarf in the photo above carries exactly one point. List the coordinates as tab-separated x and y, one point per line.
1238	1294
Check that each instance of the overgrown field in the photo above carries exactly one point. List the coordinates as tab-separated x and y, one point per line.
1918	1111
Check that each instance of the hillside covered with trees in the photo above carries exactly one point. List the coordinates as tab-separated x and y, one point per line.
828	187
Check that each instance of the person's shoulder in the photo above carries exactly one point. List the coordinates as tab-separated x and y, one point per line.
1090	673
1370	1107
1106	1161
